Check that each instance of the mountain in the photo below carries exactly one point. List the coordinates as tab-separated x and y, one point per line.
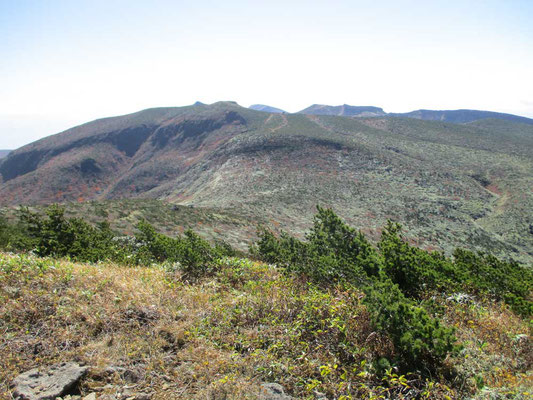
344	110
4	153
455	116
449	184
262	107
462	116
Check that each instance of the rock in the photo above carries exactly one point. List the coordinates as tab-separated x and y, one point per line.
273	391
127	375
90	396
13	292
127	394
55	381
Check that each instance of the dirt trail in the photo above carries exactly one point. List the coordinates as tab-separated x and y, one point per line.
283	124
317	121
502	198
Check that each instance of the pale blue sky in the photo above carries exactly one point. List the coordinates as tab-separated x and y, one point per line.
67	62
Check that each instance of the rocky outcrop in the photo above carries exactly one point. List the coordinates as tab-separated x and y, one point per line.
273	391
51	383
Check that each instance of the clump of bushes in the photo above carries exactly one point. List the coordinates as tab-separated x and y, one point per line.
58	236
195	255
396	277
55	235
420	340
418	272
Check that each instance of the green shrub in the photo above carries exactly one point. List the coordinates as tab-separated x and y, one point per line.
419	340
195	255
15	237
55	235
332	252
335	253
331	237
414	270
502	280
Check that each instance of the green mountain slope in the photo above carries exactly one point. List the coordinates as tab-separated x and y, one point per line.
454	116
345	110
463	116
450	185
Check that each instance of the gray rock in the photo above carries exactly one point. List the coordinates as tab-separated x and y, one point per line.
127	375
53	382
143	396
273	391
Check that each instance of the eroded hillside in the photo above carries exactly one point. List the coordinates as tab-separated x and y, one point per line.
449	184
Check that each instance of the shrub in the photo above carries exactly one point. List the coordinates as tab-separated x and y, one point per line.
502	280
331	237
419	339
194	254
55	235
334	253
15	237
414	270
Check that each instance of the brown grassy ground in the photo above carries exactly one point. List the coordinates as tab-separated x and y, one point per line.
219	337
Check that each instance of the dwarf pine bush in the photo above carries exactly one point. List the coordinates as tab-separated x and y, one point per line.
53	234
395	276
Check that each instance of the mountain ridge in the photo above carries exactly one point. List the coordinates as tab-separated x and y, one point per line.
471	178
459	116
265	108
343	110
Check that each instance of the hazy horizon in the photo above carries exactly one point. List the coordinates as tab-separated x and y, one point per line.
65	63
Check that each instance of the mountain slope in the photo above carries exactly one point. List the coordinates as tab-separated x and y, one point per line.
450	185
344	110
462	116
455	116
4	153
262	107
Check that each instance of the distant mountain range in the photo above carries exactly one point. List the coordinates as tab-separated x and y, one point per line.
462	116
262	107
4	153
450	184
455	116
344	110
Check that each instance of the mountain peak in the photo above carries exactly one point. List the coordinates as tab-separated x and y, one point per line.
344	110
265	108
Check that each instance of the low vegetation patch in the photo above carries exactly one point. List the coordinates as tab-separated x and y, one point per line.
331	315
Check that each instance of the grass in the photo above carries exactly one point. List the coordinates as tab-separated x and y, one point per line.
220	336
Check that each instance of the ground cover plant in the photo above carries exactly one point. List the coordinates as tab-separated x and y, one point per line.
331	315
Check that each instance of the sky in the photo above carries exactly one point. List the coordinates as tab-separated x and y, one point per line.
66	62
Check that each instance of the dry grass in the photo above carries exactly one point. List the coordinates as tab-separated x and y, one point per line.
134	318
219	337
